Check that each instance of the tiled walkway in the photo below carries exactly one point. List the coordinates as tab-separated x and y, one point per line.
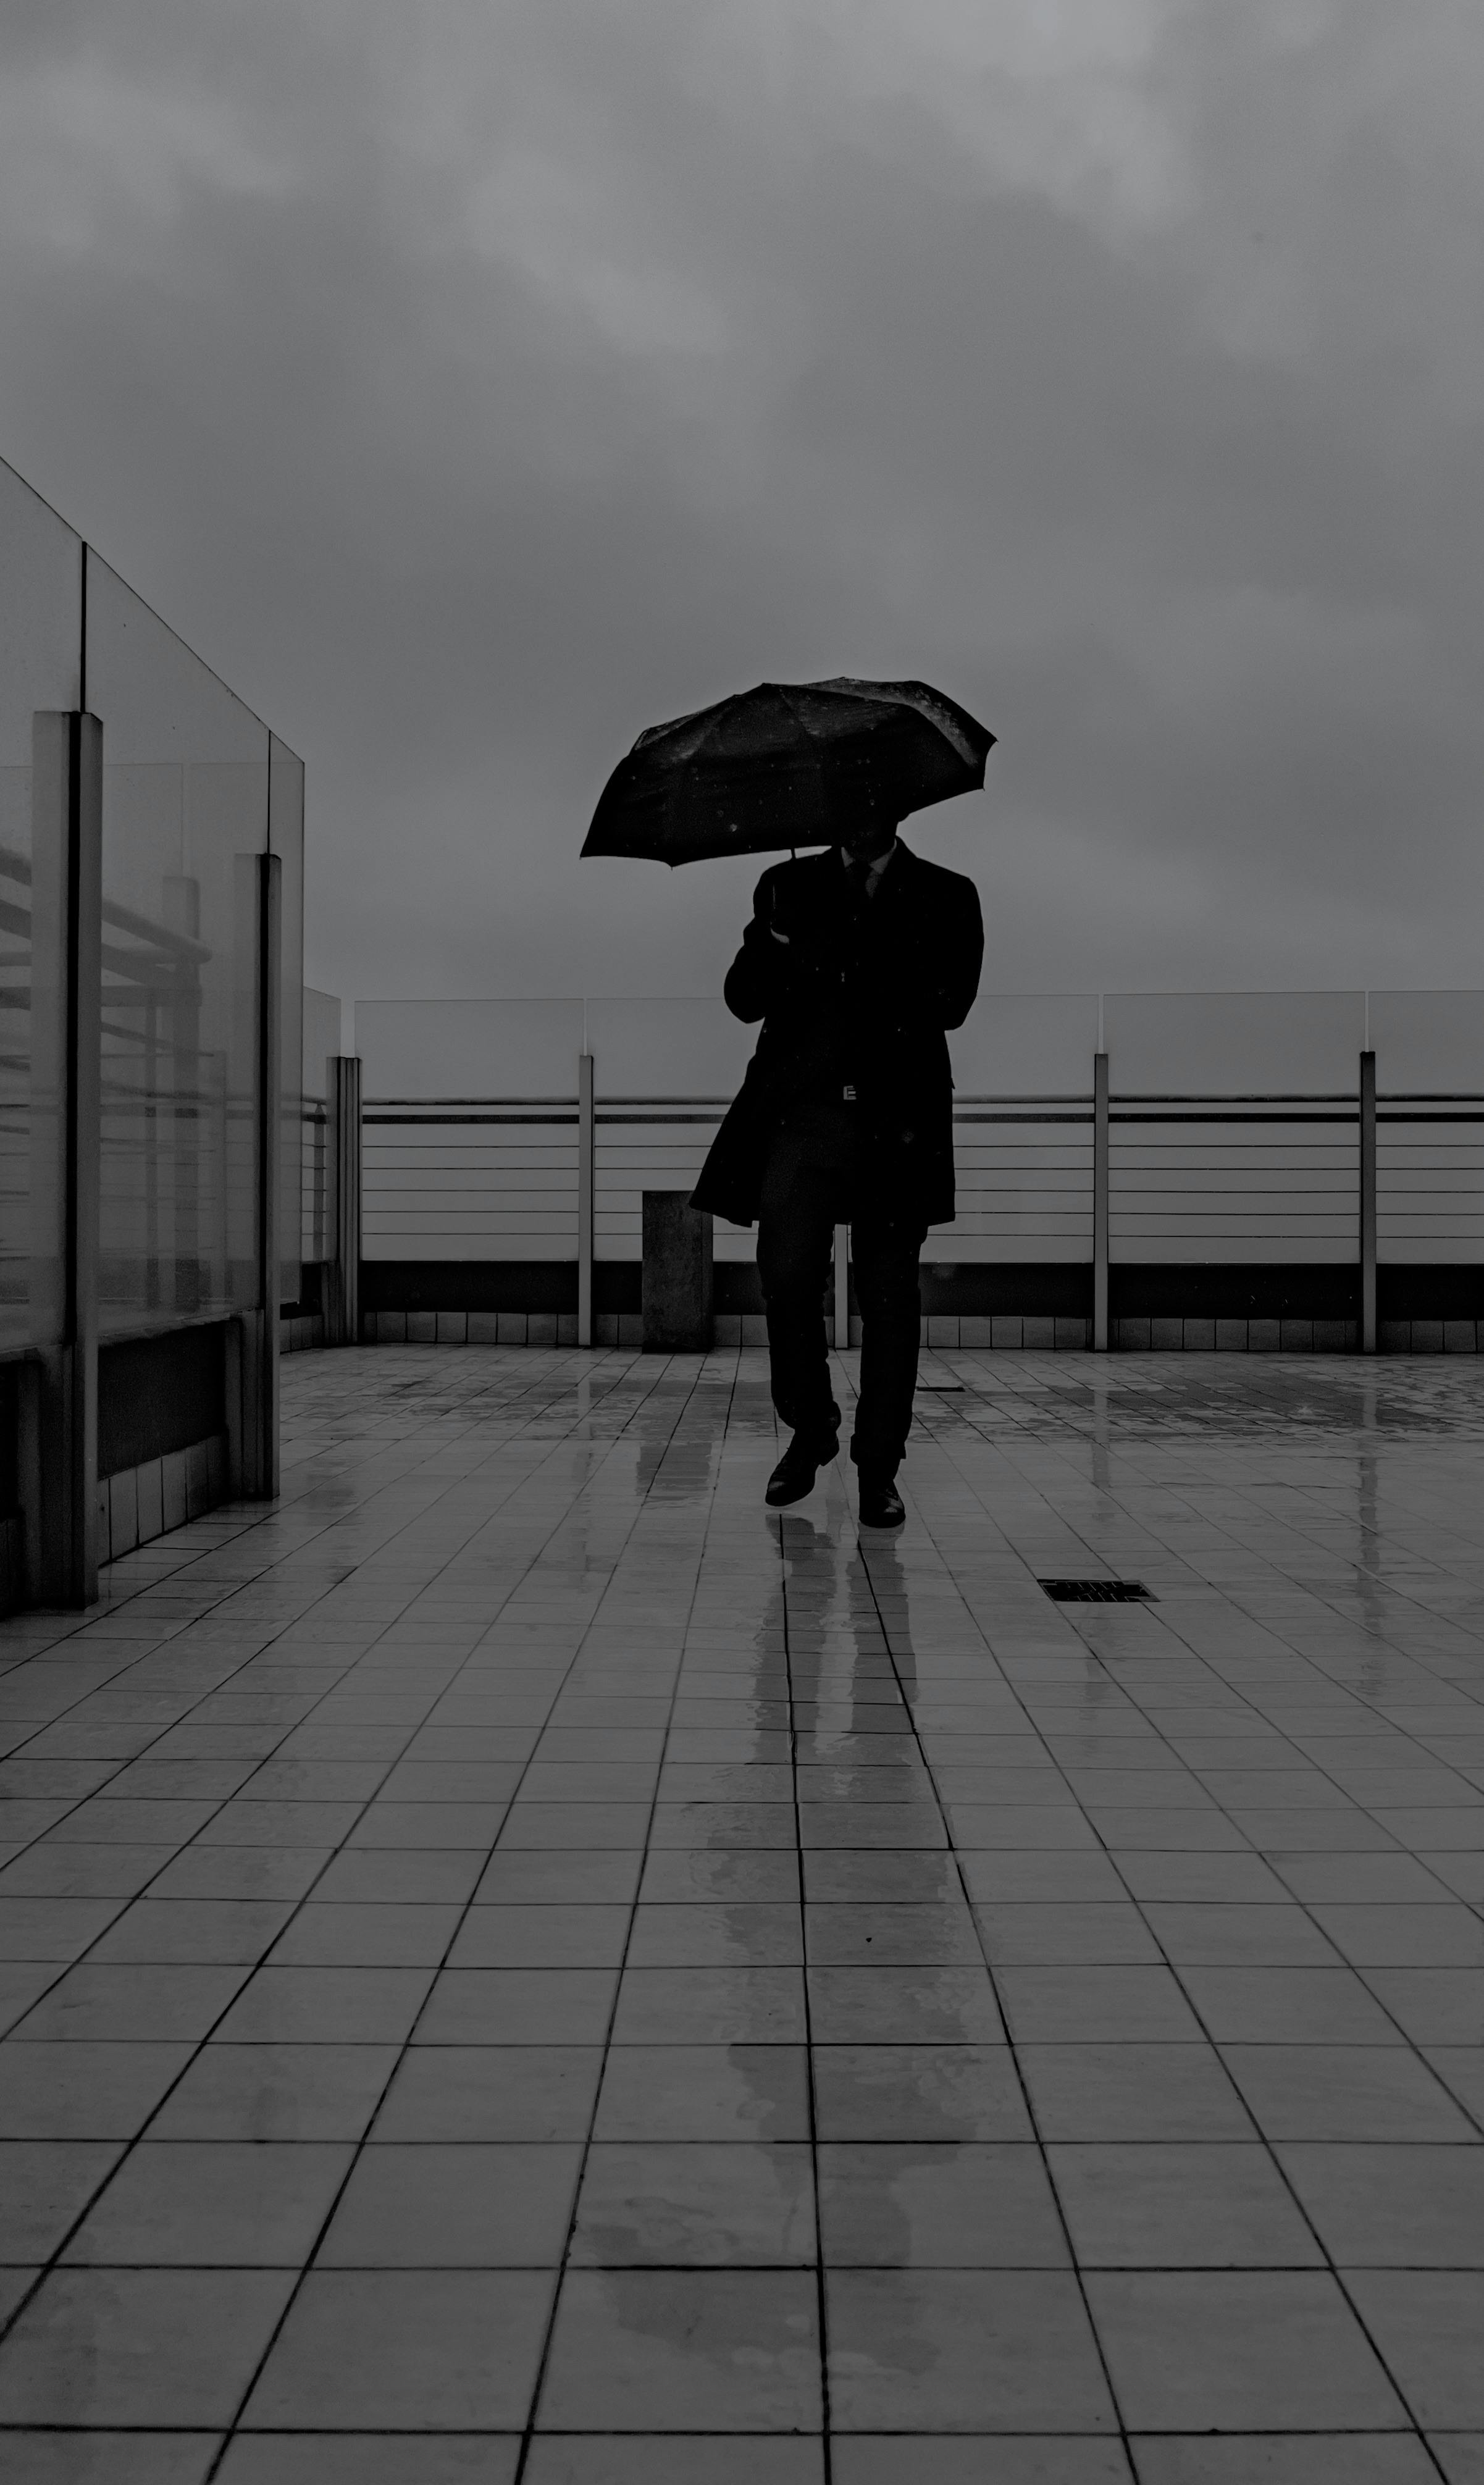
413	2070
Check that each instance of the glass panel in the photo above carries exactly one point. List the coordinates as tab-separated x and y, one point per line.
322	1017
286	831
446	1177
668	1048
1025	1044
463	1048
186	815
40	612
692	1051
1234	1044
1428	1044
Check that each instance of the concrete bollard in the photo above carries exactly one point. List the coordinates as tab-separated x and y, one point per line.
676	1282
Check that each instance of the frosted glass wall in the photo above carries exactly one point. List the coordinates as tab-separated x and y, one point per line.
1233	1044
195	789
41	609
185	817
285	839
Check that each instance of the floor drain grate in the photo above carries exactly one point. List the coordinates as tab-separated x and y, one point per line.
1097	1592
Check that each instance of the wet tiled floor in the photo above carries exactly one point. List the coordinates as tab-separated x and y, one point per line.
518	1964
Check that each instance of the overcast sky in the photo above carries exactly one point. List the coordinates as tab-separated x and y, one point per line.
476	383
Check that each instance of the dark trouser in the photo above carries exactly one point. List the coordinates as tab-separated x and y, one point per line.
810	1187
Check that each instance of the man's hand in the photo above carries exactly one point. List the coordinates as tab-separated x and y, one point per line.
758	979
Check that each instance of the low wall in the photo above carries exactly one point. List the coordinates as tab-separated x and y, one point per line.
1273	1309
136	1504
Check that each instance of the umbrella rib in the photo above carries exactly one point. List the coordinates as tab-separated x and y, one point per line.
784	691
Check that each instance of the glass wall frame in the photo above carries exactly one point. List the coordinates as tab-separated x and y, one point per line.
196	789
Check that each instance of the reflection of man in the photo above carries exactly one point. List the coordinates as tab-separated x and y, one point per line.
856	960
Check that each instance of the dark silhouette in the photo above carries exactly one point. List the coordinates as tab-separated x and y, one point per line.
856	961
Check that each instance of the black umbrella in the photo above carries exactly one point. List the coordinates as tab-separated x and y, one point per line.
787	764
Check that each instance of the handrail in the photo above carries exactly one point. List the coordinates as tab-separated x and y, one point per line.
1134	1102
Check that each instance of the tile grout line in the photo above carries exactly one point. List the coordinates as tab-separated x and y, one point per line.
345	1672
229	1590
1231	1690
1304	1907
1197	2014
822	2303
548	2337
1244	1679
359	2148
197	2050
1269	2148
1021	2083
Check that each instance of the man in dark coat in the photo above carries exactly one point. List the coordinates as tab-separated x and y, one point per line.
856	961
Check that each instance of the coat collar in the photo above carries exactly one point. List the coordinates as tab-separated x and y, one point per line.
903	861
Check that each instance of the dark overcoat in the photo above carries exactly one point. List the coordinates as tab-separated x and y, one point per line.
896	972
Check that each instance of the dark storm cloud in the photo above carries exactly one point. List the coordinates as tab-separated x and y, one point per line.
475	385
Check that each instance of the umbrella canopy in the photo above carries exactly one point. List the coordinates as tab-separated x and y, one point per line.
787	764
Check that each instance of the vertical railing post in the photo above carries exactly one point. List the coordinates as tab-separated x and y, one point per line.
586	1133
841	1288
58	1480
342	1179
1100	1203
255	1383
1367	1203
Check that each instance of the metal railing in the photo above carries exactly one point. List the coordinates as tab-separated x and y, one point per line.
1281	1176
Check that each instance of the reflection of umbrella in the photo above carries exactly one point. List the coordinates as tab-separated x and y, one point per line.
787	764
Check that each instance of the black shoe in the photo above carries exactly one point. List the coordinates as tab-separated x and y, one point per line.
794	1474
881	1504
